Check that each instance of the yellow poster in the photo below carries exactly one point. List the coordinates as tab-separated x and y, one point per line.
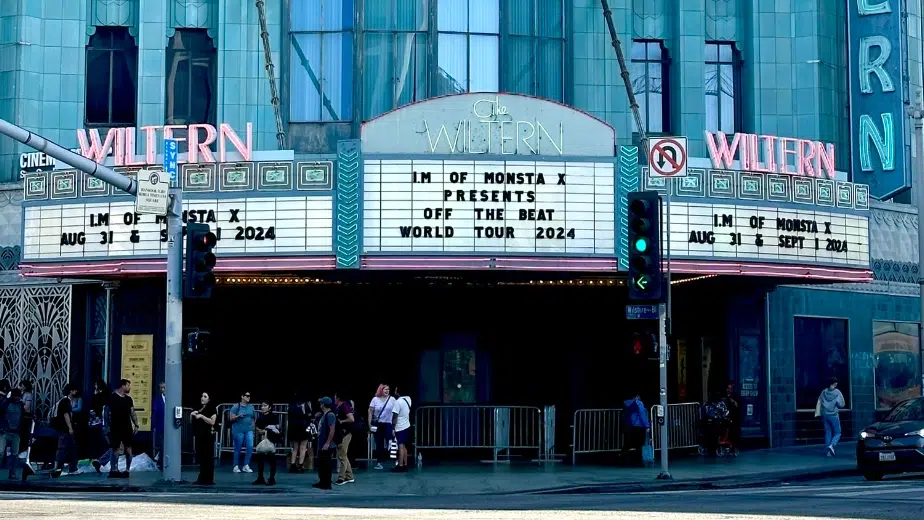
138	367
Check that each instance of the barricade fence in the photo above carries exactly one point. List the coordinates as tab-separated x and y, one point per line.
683	426
601	430
505	430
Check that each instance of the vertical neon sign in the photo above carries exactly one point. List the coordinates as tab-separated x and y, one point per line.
877	96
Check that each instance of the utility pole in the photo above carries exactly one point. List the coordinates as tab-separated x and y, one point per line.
271	74
174	316
917	188
664	321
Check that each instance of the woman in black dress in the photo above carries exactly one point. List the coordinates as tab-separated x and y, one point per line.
299	420
203	425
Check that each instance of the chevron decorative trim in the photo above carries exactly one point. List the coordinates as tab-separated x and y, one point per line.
348	205
895	271
629	177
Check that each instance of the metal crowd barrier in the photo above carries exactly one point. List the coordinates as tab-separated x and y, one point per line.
501	429
683	426
596	430
226	441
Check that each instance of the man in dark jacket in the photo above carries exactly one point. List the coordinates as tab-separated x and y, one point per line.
11	413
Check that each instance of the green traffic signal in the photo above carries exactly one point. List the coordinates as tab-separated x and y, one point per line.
641	244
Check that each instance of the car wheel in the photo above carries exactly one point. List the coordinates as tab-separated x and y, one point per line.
701	450
721	451
872	477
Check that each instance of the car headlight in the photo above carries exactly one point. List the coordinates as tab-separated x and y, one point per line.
864	435
919	433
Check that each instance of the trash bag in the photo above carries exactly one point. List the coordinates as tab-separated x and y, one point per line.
139	463
647	453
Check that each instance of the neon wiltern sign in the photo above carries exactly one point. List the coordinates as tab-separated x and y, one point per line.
120	143
876	96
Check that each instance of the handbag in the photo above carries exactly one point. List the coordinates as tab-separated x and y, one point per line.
266	447
393	449
647	453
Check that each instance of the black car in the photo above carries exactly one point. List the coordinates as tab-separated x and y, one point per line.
894	444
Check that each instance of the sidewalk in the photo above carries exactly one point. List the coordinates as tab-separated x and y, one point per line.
750	468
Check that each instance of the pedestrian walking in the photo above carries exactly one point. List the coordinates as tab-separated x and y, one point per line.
380	422
402	426
123	425
345	423
98	425
829	403
242	416
62	422
267	427
157	424
11	416
203	426
327	427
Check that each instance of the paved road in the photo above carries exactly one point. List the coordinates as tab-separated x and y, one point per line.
847	498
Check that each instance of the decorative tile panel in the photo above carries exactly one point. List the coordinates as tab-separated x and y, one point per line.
628	182
824	194
274	176
314	176
778	188
803	190
92	187
347	209
199	177
64	184
236	176
751	186
722	184
35	186
693	185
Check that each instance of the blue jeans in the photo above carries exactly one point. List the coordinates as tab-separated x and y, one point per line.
832	430
239	439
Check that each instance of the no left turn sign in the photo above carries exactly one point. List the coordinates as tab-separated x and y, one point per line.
667	157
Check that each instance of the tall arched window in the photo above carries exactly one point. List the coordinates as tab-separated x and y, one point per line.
534	48
112	78
468	46
192	75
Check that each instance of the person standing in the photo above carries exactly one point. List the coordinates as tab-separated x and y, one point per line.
267	426
203	426
380	419
327	427
733	403
98	425
11	416
242	416
157	423
402	426
637	428
63	422
299	436
28	405
345	422
829	403
123	425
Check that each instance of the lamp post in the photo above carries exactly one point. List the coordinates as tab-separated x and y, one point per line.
916	112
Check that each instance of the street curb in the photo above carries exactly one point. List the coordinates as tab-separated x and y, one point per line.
733	482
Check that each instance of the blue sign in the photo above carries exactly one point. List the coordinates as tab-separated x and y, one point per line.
877	111
642	312
170	157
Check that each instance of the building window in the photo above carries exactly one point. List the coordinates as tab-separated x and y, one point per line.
321	60
191	78
395	54
821	352
649	72
112	78
534	48
897	353
468	46
722	79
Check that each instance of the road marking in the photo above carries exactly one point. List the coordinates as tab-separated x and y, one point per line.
854	494
765	491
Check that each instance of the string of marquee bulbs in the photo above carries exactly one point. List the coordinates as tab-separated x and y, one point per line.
306	280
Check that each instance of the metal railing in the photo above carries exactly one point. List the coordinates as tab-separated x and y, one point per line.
600	430
226	440
505	430
596	430
683	427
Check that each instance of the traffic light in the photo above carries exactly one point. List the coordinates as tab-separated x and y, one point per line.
644	246
200	260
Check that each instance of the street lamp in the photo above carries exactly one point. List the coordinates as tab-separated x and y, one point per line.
916	112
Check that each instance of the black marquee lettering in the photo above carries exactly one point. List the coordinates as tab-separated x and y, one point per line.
234	217
561	179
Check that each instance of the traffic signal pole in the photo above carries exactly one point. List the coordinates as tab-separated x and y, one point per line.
174	379
171	452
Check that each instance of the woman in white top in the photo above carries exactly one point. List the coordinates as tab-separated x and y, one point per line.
379	420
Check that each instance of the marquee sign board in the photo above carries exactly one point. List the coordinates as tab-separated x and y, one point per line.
266	225
502	207
758	233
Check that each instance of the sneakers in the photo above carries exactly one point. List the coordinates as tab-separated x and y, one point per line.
342	482
831	452
97	466
259	482
379	466
246	469
236	470
271	481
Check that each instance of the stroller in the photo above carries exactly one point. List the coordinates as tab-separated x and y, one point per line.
714	430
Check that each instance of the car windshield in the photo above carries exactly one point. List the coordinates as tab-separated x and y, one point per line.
911	410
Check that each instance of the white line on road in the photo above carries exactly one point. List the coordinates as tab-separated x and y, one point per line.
763	491
852	494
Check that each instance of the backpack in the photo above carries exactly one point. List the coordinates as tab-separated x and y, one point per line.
12	418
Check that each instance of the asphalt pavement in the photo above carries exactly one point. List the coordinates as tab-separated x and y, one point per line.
839	498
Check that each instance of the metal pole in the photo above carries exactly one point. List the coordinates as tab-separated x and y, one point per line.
103	173
662	368
917	116
174	359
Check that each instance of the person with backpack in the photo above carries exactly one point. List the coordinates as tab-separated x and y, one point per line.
12	412
327	426
637	428
346	426
402	426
